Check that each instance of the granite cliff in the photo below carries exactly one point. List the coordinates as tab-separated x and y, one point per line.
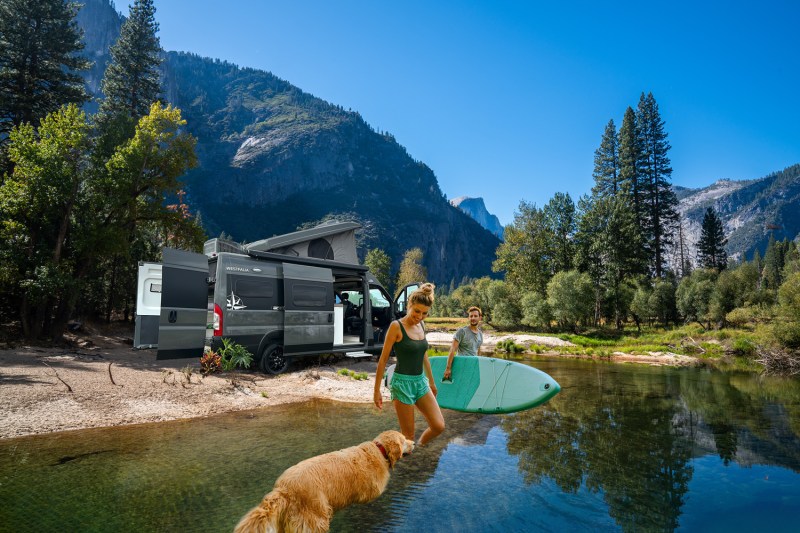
273	158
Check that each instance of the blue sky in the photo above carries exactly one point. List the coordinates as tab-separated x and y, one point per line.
507	100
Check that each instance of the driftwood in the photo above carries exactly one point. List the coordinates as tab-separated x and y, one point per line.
109	374
695	344
69	389
779	362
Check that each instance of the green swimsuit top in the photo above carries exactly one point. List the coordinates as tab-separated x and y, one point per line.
409	353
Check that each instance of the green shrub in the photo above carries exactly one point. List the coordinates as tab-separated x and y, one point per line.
234	355
743	346
509	346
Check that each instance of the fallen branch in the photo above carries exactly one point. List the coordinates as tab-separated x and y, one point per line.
69	389
779	362
110	376
694	343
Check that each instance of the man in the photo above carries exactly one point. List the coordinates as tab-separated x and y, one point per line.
467	340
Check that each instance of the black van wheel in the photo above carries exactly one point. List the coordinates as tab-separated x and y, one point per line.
272	360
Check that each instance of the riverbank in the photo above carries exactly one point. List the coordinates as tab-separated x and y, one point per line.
100	380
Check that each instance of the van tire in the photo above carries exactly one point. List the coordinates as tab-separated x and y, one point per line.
273	361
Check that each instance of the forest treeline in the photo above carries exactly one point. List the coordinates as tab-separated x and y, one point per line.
83	198
620	258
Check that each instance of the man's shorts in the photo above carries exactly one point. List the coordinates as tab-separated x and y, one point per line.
408	389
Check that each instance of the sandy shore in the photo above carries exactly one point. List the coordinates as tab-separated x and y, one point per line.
104	382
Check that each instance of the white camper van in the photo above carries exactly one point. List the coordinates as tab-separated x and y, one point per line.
285	297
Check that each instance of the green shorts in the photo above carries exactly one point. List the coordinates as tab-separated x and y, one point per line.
408	389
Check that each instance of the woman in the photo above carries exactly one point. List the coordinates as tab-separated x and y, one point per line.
409	386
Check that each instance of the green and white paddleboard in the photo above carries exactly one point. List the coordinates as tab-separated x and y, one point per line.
489	385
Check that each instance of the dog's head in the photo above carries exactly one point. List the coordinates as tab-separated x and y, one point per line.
396	445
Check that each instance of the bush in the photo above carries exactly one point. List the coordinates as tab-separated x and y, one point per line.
744	346
234	355
787	330
210	363
509	346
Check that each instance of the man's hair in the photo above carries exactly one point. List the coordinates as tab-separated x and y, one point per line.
474	308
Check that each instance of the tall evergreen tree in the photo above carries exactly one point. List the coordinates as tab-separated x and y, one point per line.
711	246
40	45
606	164
661	214
560	217
774	260
610	249
630	155
131	82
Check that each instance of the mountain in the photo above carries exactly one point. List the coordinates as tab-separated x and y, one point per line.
750	211
475	208
273	158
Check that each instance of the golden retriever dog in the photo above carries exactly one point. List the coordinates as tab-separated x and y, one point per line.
307	494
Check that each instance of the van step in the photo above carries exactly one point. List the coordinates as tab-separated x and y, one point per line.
357	355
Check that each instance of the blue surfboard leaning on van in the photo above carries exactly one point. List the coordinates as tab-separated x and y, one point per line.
283	298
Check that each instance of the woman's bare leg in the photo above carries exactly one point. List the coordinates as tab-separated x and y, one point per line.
405	415
433	415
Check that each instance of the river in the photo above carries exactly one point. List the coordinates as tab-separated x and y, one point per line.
621	448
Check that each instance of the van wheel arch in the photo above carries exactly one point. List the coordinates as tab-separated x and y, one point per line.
273	360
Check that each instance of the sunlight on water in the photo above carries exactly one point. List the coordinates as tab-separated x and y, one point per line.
626	448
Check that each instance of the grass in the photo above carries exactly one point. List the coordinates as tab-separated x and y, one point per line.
728	348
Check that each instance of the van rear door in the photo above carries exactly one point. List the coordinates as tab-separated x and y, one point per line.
184	305
308	309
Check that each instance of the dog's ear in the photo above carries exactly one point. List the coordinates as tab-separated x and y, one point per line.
394	447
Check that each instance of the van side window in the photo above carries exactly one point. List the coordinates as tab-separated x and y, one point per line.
306	296
254	294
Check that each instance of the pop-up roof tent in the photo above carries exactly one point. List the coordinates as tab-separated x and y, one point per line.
334	241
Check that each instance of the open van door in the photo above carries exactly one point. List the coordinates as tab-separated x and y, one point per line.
307	309
401	302
184	305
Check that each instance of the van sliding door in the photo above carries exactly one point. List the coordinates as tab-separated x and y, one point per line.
308	309
184	305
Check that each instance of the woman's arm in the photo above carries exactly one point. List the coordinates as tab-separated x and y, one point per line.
392	336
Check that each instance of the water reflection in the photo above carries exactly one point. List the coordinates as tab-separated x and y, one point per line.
620	448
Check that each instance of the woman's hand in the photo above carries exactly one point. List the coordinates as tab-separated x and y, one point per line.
434	390
378	399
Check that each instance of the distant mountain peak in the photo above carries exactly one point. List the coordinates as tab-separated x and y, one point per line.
476	208
750	210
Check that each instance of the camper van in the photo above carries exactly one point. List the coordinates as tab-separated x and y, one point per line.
283	298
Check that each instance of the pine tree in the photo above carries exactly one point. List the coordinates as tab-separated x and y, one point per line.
630	155
610	250
711	247
774	261
661	214
39	61
559	215
131	82
606	164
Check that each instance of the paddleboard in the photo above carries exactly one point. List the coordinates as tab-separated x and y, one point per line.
488	385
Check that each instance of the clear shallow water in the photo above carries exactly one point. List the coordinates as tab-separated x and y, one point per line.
621	448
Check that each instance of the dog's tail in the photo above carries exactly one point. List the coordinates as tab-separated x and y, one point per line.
267	517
